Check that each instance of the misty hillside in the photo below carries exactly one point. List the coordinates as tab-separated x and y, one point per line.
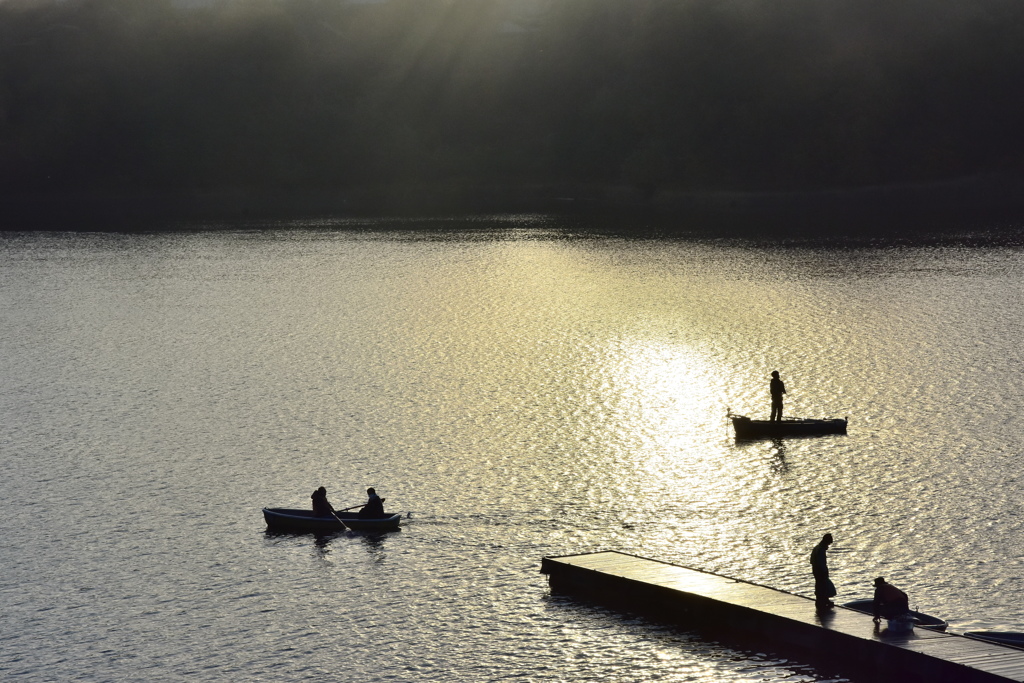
123	96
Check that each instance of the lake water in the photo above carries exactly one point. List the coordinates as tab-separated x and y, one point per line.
517	391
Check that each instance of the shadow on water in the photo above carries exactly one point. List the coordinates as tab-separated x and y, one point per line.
691	636
580	607
323	541
374	546
777	449
778	461
371	541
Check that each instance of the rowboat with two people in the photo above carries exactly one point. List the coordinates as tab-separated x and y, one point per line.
324	519
306	522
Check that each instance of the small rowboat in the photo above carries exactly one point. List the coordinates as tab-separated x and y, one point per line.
920	618
1010	638
303	521
747	428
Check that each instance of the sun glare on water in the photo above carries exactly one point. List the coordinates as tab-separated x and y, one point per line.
674	394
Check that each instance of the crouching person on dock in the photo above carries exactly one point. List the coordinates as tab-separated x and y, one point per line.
890	602
823	586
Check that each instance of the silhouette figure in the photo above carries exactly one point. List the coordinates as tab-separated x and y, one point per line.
823	586
374	505
321	507
890	602
778	388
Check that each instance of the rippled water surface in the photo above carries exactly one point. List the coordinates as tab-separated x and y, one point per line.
517	393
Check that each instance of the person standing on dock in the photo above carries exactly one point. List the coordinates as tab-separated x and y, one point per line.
823	586
890	602
778	388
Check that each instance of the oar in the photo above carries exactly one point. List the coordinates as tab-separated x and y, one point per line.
344	526
353	507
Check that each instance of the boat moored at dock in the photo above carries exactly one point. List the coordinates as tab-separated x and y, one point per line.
920	618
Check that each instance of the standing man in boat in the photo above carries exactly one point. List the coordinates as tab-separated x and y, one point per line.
890	602
321	507
374	507
778	388
823	586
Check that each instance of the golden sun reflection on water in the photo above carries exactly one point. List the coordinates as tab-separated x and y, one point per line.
517	398
678	392
680	447
687	489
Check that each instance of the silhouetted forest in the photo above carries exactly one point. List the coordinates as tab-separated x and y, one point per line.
652	97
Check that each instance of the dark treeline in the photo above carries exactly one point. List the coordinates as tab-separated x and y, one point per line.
125	97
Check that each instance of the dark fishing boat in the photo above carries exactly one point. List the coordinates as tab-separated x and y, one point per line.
920	618
1009	638
747	428
303	521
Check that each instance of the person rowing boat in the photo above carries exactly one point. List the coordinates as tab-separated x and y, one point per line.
374	506
321	506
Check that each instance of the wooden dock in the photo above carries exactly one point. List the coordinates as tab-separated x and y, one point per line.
787	623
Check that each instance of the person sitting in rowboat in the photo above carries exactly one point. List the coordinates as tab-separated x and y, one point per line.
374	507
890	602
321	506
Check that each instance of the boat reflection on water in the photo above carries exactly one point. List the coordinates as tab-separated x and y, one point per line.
324	544
779	464
775	452
373	543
